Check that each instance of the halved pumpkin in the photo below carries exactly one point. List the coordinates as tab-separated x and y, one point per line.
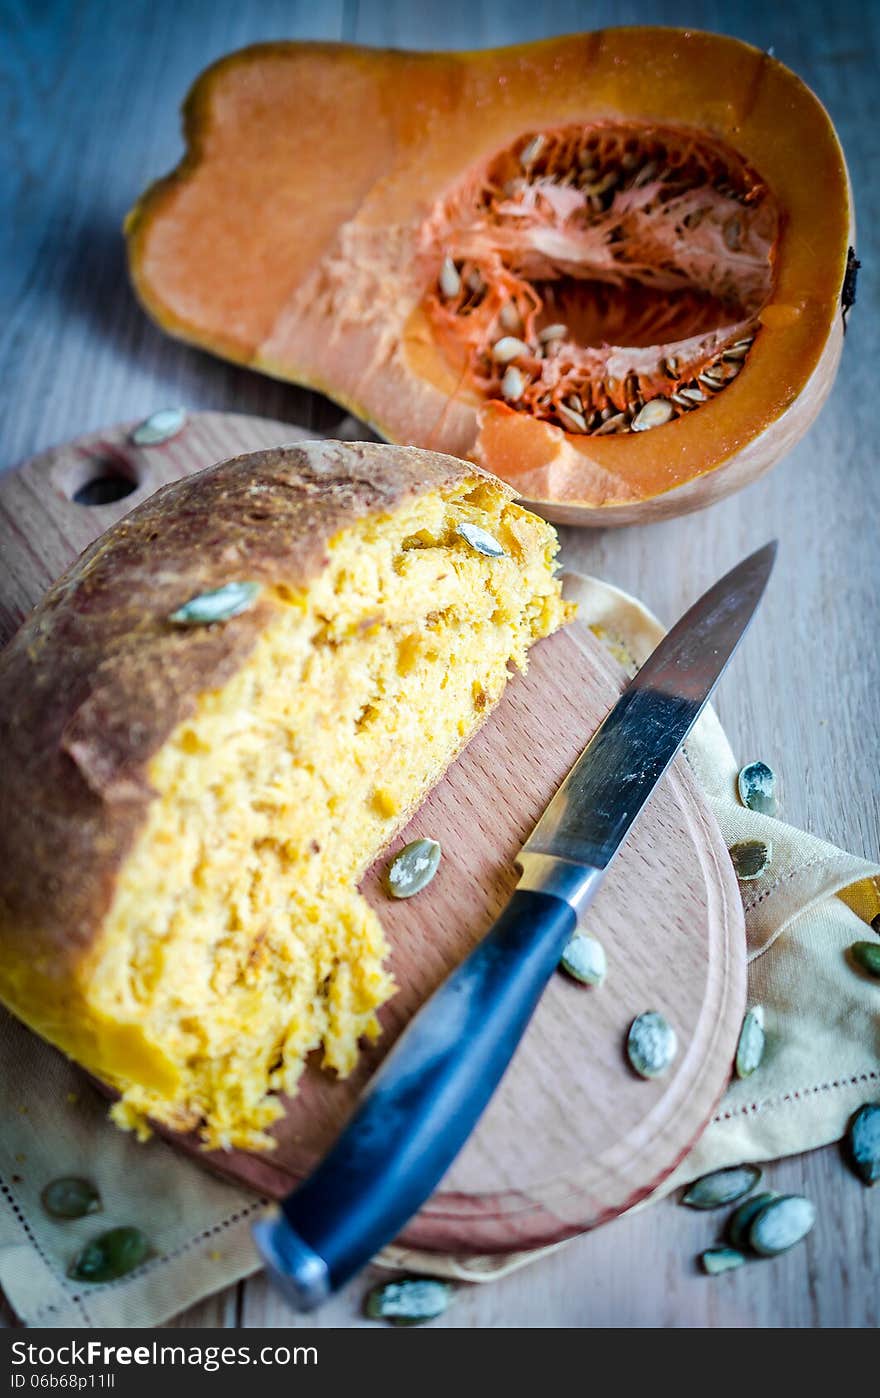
608	267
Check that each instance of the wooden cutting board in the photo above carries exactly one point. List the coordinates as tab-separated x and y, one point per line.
573	1136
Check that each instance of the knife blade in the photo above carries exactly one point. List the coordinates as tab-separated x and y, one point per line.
422	1104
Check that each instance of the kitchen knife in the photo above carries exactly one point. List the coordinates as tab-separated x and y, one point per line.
426	1098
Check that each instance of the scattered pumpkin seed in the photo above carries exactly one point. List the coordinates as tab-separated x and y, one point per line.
220	605
863	1143
780	1224
750	1049
867	955
513	384
482	540
584	959
743	1217
509	317
653	414
450	281
159	427
557	331
750	858
110	1255
508	348
721	1259
721	1187
70	1197
756	785
411	1301
651	1044
413	868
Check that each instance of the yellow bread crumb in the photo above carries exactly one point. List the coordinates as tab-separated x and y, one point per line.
237	942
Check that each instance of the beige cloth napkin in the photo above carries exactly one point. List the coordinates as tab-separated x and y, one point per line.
821	1063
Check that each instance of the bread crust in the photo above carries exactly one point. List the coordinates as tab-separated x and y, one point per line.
96	680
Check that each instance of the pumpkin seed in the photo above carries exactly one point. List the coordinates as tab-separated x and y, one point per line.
513	384
694	395
508	348
784	1222
70	1197
744	1216
584	959
651	1044
530	152
509	317
721	1259
481	540
721	1187
750	858
475	281
413	868
653	414
572	418
863	1142
867	955
750	1048
611	424
411	1301
756	785
220	605
450	281
557	331
110	1255
646	173
159	427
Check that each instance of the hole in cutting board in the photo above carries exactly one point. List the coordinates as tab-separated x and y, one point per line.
104	486
100	478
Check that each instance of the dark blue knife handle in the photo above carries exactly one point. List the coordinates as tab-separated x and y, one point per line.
420	1107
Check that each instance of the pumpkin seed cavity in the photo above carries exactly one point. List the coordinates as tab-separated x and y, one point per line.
584	959
750	858
159	427
867	956
750	1049
220	605
622	264
651	1044
721	1187
412	1301
756	785
70	1197
413	868
111	1255
781	1224
863	1143
482	540
721	1259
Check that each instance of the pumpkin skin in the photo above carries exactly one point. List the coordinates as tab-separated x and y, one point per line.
291	239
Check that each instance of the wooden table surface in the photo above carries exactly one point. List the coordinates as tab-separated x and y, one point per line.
91	93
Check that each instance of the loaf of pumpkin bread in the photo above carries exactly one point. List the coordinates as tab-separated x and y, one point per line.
187	804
